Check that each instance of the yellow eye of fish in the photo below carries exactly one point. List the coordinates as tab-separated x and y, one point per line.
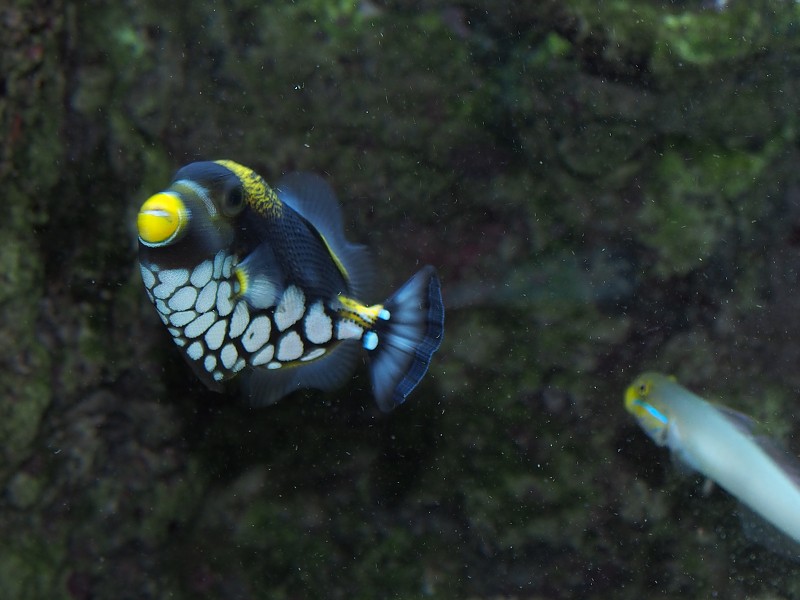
162	218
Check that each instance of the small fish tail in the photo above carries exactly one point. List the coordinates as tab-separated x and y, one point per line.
404	338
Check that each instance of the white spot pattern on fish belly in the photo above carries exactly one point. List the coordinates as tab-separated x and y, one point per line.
215	336
264	355
174	277
197	327
347	330
183	299
318	325
193	304
257	334
163	290
315	353
226	267
195	350
148	278
290	309
239	319
179	319
202	274
162	307
290	347
224	303
228	356
206	297
218	260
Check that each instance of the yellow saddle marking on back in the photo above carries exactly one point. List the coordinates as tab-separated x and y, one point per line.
260	196
362	315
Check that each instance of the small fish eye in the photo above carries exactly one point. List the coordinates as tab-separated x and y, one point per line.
233	202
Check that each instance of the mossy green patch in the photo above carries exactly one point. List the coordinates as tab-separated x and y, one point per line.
30	567
697	198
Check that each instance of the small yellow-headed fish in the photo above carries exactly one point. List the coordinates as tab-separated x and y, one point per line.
719	443
262	283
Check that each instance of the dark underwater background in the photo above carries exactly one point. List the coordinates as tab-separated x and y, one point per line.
605	188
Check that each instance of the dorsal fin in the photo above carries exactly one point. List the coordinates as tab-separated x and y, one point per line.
313	199
789	464
741	421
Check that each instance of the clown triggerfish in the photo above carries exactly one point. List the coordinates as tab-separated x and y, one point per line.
720	443
262	283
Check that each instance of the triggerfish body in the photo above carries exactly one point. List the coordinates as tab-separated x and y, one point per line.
262	283
719	443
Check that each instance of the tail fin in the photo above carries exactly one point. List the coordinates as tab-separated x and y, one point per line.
407	338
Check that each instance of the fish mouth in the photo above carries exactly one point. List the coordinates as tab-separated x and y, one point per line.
162	219
632	398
